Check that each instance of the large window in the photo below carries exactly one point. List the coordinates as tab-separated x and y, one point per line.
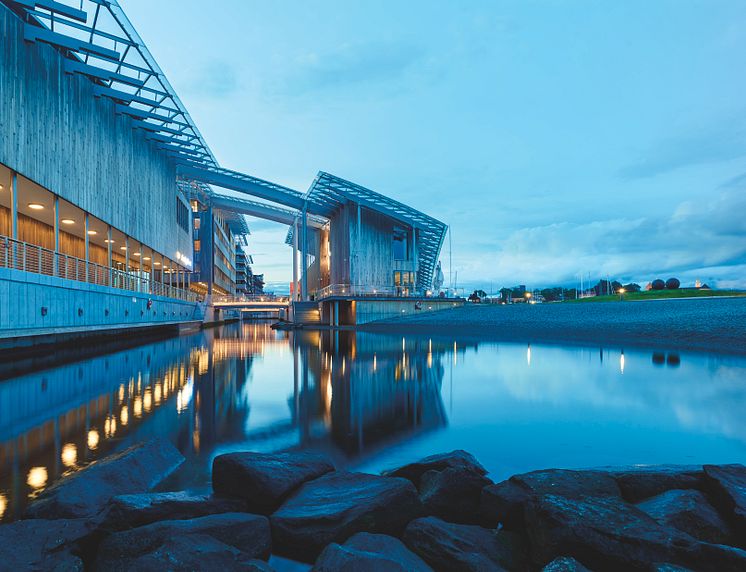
182	214
399	244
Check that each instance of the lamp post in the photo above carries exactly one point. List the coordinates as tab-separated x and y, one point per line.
621	294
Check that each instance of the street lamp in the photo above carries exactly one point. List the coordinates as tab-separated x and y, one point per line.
621	294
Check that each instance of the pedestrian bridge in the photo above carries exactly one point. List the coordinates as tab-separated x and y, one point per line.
256	306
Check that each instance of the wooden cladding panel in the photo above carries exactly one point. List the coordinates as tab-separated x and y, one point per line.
54	131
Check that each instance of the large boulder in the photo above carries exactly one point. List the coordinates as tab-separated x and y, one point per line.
610	534
688	511
640	483
189	553
365	552
247	533
40	544
86	493
265	480
504	502
455	459
131	511
336	506
564	564
453	494
726	486
464	547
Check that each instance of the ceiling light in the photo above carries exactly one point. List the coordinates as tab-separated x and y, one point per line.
157	263
146	258
109	241
35	206
92	232
1	187
67	221
122	248
135	254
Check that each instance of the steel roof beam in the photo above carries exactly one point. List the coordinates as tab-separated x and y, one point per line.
57	7
34	34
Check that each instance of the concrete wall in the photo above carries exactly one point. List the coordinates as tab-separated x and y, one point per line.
54	131
372	310
23	295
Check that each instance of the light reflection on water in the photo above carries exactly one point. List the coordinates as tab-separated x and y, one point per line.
370	401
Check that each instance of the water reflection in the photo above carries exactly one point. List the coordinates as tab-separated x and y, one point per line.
370	401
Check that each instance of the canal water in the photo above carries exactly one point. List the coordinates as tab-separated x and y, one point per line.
370	401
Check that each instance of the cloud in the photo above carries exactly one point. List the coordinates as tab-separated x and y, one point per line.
705	240
349	66
721	143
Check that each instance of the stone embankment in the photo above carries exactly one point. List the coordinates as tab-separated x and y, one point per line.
441	513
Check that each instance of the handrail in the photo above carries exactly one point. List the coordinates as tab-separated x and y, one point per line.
261	298
360	290
39	260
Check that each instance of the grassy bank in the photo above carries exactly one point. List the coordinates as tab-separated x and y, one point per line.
661	295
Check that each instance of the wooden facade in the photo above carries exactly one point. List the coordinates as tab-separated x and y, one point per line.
55	132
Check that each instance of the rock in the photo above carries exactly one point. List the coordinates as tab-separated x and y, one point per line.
504	502
265	480
336	506
453	494
726	486
666	567
40	544
464	547
127	550
609	534
640	483
85	493
564	564
454	459
365	552
131	511
689	511
191	552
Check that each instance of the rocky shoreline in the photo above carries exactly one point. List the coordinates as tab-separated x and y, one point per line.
441	513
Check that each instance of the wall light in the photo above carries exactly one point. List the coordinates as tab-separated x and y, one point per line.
92	232
157	263
67	221
35	206
135	254
146	257
122	248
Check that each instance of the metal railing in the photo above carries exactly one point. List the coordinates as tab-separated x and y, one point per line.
32	258
219	299
366	291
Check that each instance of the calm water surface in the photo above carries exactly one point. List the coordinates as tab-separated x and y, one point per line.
371	401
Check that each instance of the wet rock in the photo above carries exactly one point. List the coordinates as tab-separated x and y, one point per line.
187	553
463	547
726	486
247	533
504	502
336	506
365	552
265	480
86	493
601	532
666	567
453	494
131	511
640	483
564	564
40	544
690	512
455	459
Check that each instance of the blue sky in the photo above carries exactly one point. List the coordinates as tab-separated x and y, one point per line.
555	137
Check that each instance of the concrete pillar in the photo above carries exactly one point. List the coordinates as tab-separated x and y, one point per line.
295	259
358	250
108	254
55	262
336	313
126	254
87	245
414	257
304	254
14	205
207	253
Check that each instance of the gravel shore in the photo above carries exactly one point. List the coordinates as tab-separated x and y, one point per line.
716	325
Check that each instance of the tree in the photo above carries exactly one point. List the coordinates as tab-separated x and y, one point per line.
658	284
673	284
632	287
605	287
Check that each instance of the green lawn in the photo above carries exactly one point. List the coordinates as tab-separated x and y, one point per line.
660	294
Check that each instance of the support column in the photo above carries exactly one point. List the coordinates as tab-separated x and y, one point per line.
414	258
304	254
108	255
14	205
87	244
358	252
207	252
295	259
55	256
